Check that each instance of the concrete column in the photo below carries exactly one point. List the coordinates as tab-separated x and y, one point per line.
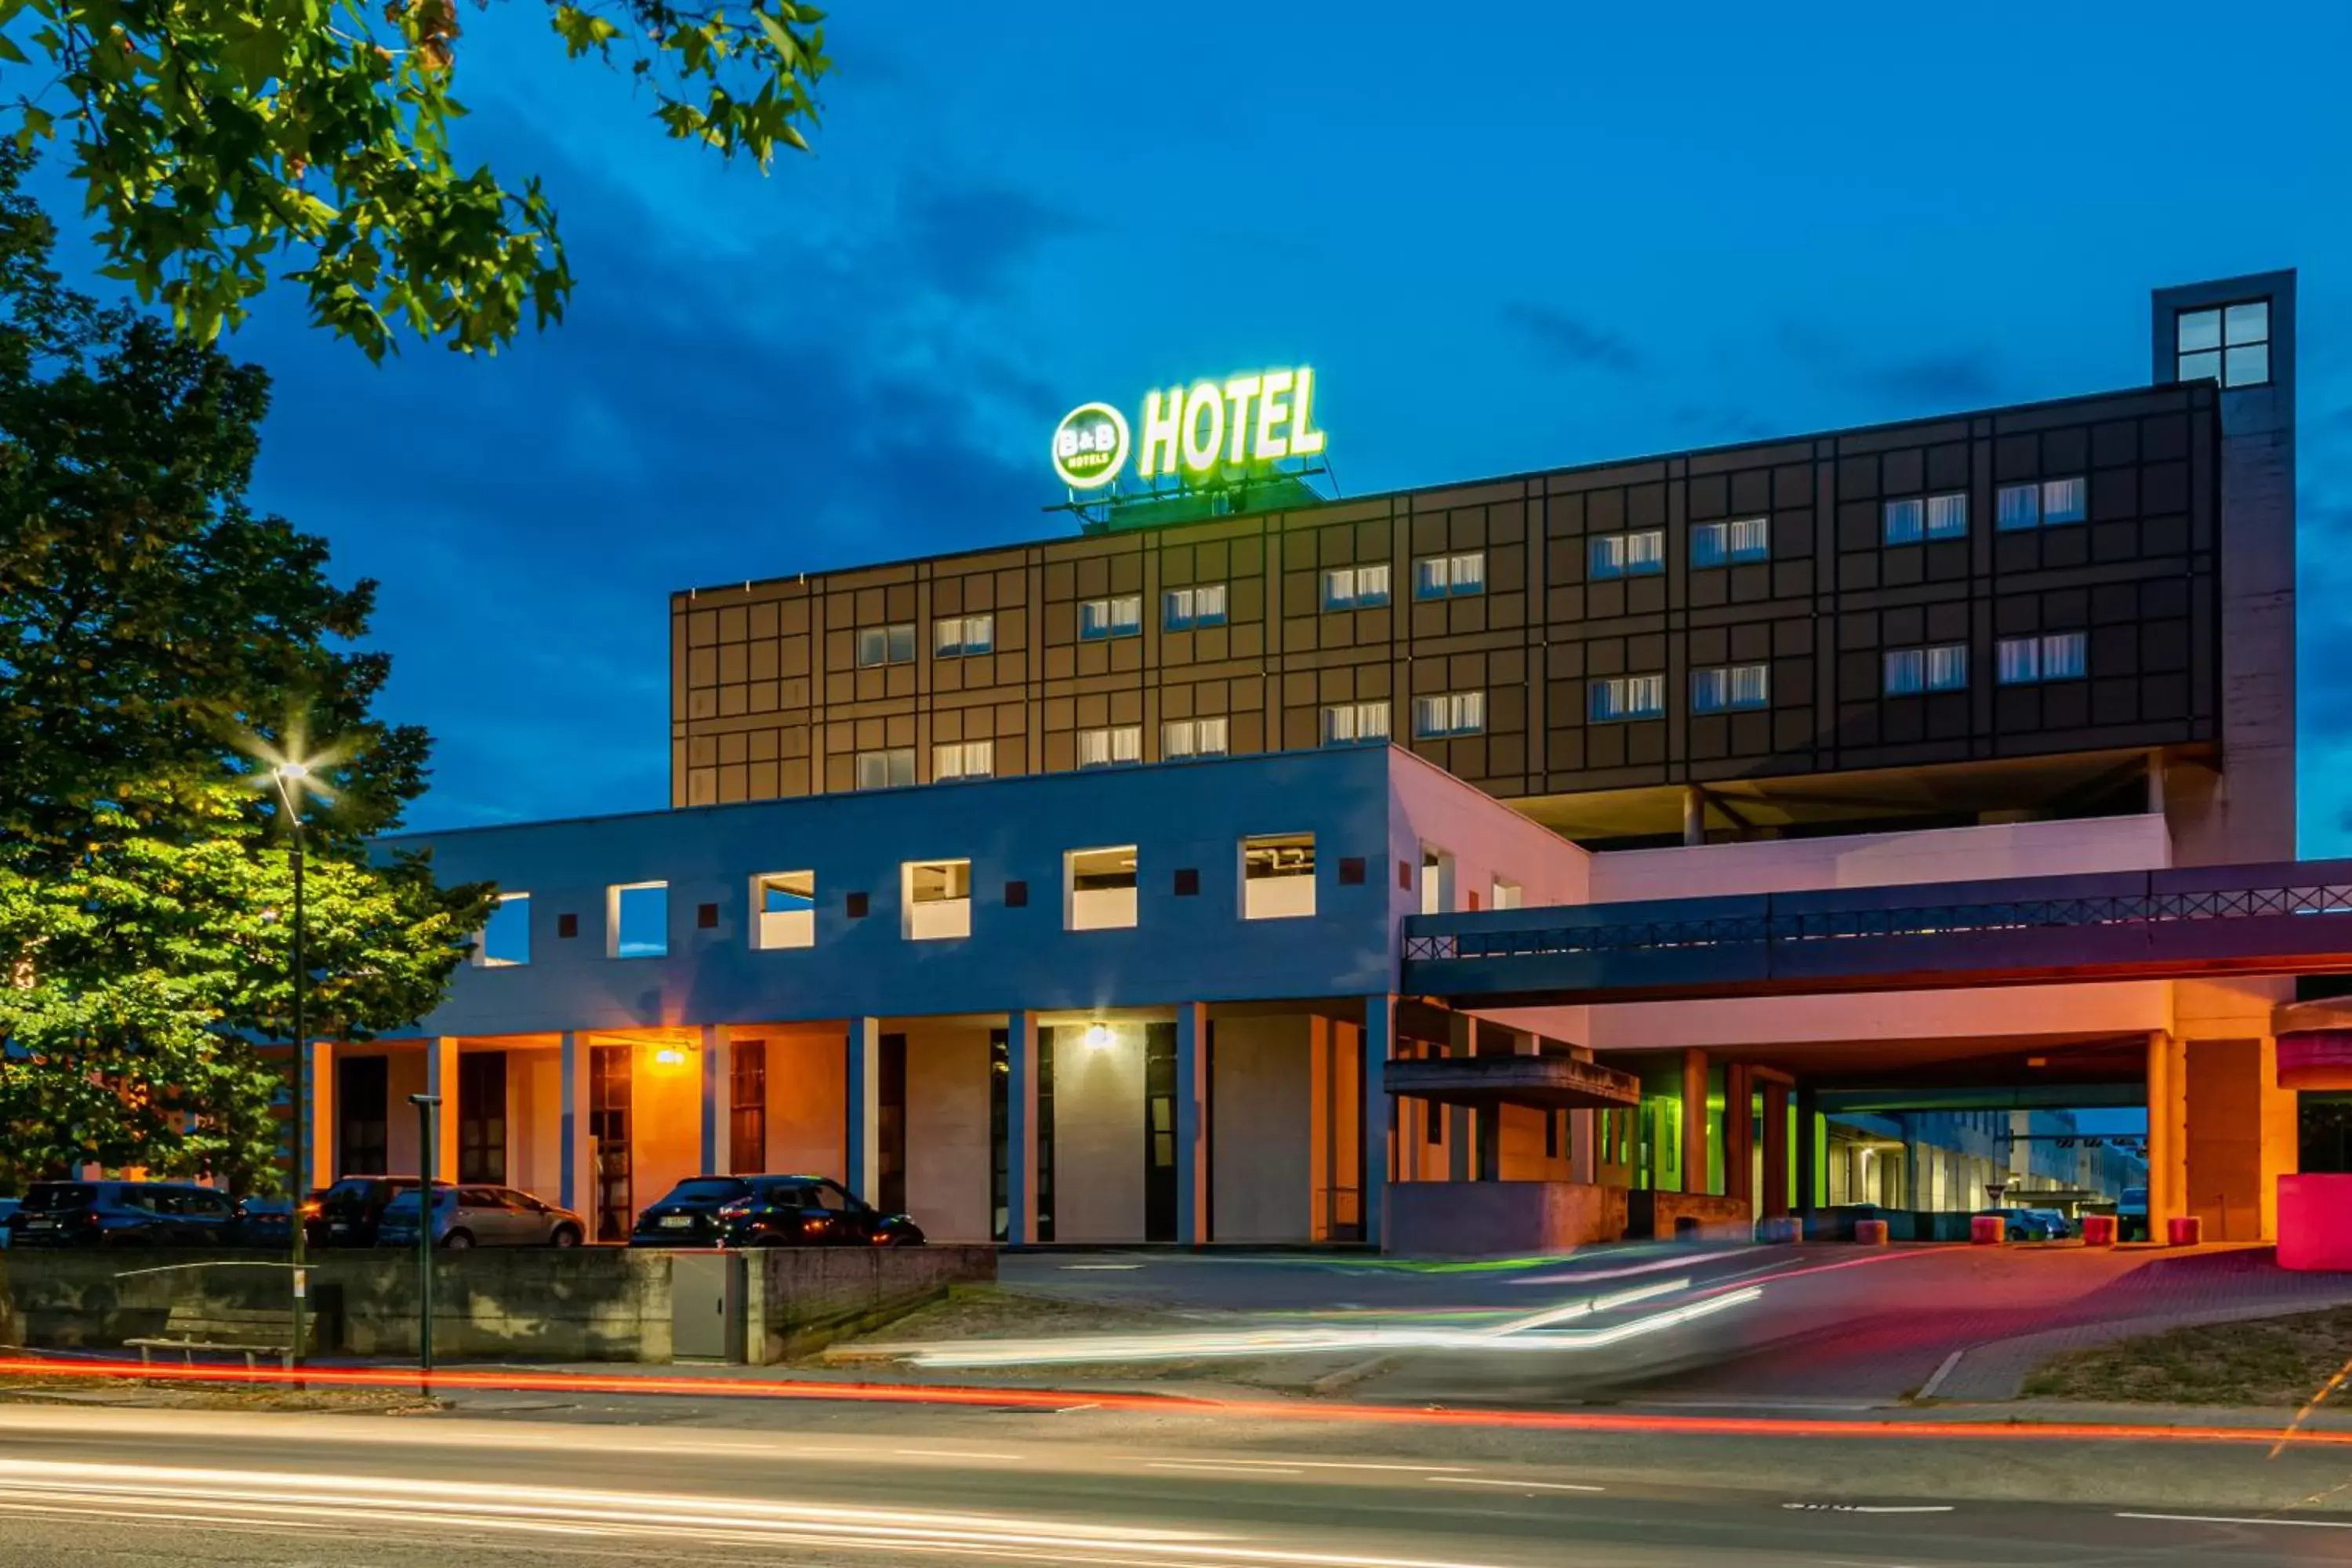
2155	768
1776	1149
1694	1162
1738	1133
1584	1136
1378	1143
2166	1148
1809	1151
1191	1124
318	1117
2282	1118
1694	815
577	1175
861	1105
717	1100
1462	1128
1021	1128
441	1079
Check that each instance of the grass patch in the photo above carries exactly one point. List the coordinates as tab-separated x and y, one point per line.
2266	1362
988	1312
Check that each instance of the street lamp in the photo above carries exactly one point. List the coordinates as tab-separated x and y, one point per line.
425	1104
292	778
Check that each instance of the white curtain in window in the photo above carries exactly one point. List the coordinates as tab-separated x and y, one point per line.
1708	543
1608	699
1948	667
1094	747
1094	619
2019	660
1751	537
1947	516
1127	614
1905	521
1907	670
2061	500
1178	738
2020	507
1431	577
1373	587
2064	655
1750	685
1647	550
1608	556
1338	724
1646	695
1470	573
1213	737
1710	690
1209	604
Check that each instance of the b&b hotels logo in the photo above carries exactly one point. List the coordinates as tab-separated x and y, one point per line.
1243	420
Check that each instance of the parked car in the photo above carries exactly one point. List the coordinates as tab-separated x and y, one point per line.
2060	1226
7	1207
475	1216
769	1210
347	1214
2029	1225
263	1222
127	1214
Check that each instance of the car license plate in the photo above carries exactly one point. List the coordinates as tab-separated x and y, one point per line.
41	1225
339	1228
677	1221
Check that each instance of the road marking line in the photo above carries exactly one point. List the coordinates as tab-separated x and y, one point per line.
1228	1469
954	1454
1869	1508
1319	1465
2225	1519
1927	1389
1098	1268
1523	1485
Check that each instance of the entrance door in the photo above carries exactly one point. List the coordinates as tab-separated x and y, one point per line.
1159	1191
482	1117
608	1125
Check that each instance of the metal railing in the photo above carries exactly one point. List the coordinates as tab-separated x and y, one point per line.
1835	925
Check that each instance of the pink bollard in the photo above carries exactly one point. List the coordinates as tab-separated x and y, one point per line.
1987	1230
2188	1230
1870	1233
2098	1230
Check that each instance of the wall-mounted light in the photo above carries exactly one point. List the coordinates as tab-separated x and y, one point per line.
670	1057
1098	1037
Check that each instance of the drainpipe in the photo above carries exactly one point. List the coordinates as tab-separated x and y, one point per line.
1694	815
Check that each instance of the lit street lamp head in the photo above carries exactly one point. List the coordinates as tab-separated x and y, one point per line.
292	773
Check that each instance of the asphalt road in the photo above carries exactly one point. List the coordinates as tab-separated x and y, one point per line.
839	1483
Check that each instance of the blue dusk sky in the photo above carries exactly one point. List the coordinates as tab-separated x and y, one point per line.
1508	235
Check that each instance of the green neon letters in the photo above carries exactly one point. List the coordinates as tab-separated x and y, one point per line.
1260	418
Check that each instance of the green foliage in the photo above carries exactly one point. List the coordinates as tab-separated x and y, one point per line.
152	629
217	139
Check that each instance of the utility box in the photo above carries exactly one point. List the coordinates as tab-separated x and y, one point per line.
708	1305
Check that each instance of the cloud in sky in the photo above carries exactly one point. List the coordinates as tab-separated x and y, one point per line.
1571	341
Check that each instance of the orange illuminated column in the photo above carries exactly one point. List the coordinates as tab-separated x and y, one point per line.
1738	1132
1191	1124
717	1086
319	1115
1776	1149
1694	1162
441	1080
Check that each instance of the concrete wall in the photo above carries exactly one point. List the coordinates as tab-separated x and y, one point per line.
1884	860
1984	1013
535	1122
1261	1113
1433	808
1098	1135
665	1123
806	1100
948	1154
592	1303
1652	1212
1501	1219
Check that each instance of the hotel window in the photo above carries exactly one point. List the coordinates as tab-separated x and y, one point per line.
937	898
2060	656
2229	343
1347	723
2045	505
1192	738
886	645
1454	713
1911	671
637	920
1729	543
963	760
1277	875
1638	554
1182	609
1628	696
1507	895
506	935
1916	518
959	635
893	769
1102	619
1110	748
1355	587
1449	576
1737	686
785	902
1098	888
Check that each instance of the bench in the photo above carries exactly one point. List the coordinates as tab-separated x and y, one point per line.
250	1331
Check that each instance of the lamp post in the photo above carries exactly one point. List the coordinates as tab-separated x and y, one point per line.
289	777
425	1104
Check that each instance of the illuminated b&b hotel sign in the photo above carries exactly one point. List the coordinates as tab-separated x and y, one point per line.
1192	432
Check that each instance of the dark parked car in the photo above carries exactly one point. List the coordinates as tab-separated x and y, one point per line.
2029	1225
128	1214
263	1222
480	1216
769	1210
7	1207
347	1214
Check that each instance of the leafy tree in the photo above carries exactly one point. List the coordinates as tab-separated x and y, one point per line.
155	633
213	139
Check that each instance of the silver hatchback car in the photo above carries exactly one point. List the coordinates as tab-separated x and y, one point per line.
475	1216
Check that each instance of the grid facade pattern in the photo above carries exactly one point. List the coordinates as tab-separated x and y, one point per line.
769	700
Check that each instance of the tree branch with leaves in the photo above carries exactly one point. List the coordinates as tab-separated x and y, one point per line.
220	141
